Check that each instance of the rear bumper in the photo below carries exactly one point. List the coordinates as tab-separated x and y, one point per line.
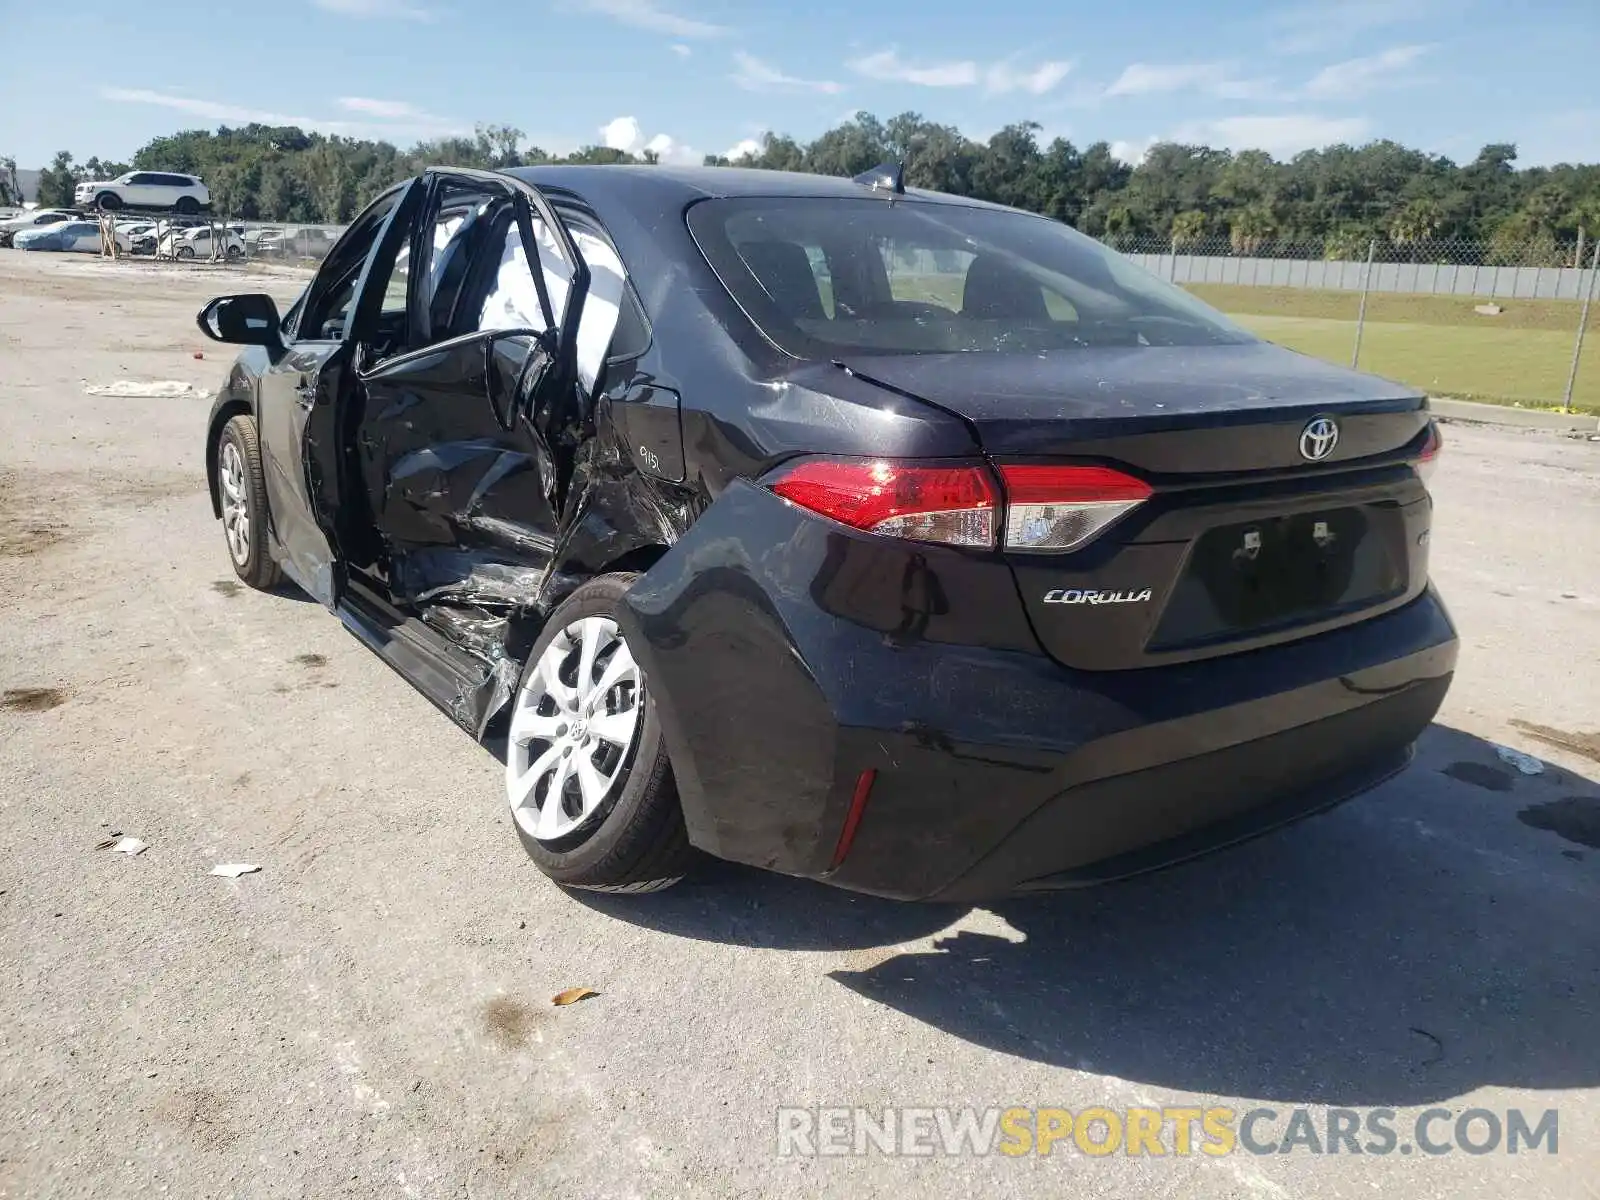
782	674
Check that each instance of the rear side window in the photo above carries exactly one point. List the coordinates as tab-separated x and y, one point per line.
820	276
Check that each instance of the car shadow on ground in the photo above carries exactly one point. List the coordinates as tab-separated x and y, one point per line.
1430	938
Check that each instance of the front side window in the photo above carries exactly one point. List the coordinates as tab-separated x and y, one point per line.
329	300
824	276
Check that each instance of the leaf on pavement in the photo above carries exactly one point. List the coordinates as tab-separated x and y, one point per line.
573	995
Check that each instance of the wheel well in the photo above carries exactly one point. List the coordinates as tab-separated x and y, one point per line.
526	627
639	559
226	413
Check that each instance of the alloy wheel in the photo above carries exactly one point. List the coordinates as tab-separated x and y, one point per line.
574	727
235	512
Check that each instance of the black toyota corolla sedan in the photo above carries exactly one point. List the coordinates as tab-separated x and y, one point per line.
888	538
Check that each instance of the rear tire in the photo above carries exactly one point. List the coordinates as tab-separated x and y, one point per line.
242	489
629	835
187	205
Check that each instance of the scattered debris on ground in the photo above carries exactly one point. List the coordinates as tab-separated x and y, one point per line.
234	870
572	996
1525	763
159	389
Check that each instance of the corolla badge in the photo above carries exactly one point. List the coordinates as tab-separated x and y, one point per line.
1091	596
1318	438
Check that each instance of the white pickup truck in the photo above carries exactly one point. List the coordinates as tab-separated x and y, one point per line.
145	189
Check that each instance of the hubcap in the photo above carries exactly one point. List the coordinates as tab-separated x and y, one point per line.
235	512
573	729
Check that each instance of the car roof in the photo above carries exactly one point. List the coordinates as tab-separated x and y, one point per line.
661	188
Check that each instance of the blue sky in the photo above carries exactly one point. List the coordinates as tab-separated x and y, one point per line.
690	77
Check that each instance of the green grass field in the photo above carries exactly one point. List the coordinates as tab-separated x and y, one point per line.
1434	342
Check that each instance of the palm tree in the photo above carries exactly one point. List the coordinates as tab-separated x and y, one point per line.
1249	227
1417	222
1187	228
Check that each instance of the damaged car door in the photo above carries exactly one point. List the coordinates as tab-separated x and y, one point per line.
306	385
464	437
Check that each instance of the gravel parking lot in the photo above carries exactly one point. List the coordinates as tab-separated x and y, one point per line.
370	1014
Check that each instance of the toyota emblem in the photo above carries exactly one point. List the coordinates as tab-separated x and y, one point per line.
1318	439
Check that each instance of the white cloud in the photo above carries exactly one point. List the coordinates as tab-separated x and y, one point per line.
1215	78
1000	78
754	75
626	134
681	50
647	14
742	148
1307	28
1133	152
1358	76
390	110
886	66
1281	136
391	9
409	123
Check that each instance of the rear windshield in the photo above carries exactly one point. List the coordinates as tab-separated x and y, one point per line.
820	276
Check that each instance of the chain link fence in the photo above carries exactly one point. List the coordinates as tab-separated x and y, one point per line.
1502	320
212	239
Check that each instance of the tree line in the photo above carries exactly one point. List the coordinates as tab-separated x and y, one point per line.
1338	197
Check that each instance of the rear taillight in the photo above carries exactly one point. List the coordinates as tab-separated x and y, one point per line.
927	502
1428	459
1047	508
1063	507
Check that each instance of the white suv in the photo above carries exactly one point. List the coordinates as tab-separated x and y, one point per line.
145	189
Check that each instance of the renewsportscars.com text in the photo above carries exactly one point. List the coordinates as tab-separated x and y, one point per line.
1157	1132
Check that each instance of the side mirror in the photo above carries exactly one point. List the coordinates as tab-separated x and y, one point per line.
516	363
250	319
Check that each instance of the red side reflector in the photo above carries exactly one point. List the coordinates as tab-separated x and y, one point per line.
852	819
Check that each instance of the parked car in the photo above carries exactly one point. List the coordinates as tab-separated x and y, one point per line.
196	243
145	189
894	539
34	219
305	242
81	236
136	237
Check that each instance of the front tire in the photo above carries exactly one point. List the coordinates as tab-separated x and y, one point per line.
587	776
242	490
108	201
184	252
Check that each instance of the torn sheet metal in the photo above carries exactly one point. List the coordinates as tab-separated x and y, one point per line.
464	577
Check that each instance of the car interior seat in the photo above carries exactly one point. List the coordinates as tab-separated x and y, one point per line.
997	291
783	269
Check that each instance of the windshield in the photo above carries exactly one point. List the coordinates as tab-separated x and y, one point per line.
822	276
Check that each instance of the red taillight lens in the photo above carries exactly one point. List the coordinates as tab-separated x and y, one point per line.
1063	507
953	504
1428	460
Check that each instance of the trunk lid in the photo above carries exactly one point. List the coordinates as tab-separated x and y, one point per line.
1244	542
1165	410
